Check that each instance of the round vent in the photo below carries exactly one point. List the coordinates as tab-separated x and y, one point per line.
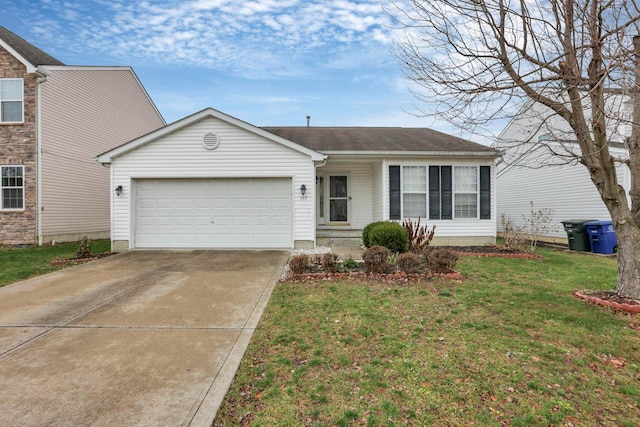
211	141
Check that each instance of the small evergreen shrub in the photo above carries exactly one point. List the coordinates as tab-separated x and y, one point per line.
376	258
348	263
409	262
441	260
391	235
367	229
330	262
299	263
83	249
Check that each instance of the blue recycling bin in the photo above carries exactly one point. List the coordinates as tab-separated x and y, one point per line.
602	237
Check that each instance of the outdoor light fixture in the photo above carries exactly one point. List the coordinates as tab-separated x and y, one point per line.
303	189
118	190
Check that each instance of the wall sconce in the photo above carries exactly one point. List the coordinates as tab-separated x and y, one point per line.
118	190
303	189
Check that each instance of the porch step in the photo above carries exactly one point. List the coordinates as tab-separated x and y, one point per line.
333	237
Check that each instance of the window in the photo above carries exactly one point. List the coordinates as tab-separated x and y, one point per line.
414	191
465	191
11	91
12	187
441	192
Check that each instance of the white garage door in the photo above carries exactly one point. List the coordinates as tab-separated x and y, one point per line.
213	213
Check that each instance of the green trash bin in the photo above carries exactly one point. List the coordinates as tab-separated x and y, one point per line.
577	234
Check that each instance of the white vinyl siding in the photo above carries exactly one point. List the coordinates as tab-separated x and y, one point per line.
241	154
378	191
565	189
11	100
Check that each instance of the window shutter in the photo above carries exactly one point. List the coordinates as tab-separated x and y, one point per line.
434	192
394	192
446	190
485	192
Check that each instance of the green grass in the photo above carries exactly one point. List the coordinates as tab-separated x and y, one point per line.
21	263
508	345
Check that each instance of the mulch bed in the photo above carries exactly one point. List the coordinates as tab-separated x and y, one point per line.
399	277
76	261
609	299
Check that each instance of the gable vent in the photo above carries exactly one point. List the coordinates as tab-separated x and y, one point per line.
211	141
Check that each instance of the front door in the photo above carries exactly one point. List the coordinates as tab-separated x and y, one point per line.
338	198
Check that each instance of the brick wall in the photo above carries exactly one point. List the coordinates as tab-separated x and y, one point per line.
18	146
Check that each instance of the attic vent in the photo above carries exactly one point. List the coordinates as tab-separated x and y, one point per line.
211	141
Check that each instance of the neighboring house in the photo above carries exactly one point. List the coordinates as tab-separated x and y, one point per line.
210	180
539	166
53	119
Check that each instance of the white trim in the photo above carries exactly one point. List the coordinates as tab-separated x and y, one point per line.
392	153
327	204
108	156
21	121
2	209
31	68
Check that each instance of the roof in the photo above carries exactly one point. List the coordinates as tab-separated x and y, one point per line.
29	52
378	139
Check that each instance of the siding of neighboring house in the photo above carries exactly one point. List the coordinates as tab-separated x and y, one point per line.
456	231
85	111
360	189
531	173
240	154
18	144
565	189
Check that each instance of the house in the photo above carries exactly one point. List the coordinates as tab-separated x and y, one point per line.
211	180
53	119
539	167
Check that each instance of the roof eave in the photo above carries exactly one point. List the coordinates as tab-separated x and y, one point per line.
31	68
492	154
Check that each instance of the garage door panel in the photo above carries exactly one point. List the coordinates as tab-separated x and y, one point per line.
209	213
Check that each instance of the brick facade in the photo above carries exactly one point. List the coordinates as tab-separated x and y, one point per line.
18	146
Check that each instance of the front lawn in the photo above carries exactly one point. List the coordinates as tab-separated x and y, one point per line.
507	345
21	263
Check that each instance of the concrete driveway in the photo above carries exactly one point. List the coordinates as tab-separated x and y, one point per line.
139	338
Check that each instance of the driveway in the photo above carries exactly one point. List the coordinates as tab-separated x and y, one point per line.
139	338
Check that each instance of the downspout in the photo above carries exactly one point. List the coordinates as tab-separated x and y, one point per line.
42	77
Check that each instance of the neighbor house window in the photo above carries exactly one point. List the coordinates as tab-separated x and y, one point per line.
12	187
439	192
11	100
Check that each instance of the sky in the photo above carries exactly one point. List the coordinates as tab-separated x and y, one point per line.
267	62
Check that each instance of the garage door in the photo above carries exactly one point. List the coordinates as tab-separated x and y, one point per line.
213	213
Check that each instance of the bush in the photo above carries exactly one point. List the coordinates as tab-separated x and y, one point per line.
367	229
440	260
419	235
376	258
83	249
299	263
330	262
410	263
391	235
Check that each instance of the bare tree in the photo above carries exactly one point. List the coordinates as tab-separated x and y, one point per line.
477	61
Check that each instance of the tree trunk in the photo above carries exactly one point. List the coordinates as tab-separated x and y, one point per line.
628	235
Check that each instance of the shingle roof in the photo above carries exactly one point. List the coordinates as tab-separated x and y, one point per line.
378	139
28	51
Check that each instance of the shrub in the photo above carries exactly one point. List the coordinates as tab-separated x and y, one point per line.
441	260
330	262
84	248
410	262
391	235
367	229
419	235
299	263
376	258
348	263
